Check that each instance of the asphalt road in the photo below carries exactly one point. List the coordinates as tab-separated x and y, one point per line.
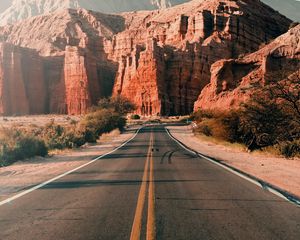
151	188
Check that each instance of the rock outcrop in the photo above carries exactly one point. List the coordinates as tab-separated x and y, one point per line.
234	81
160	60
75	71
186	40
22	81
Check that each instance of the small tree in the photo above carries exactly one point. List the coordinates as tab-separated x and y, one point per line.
119	104
273	114
286	93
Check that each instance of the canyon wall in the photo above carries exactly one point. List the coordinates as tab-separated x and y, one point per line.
234	81
160	60
22	81
188	39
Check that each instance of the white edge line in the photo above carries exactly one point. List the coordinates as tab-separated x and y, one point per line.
193	152
270	189
21	194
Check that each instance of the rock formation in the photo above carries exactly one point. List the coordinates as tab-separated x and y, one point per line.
22	81
233	81
185	41
160	60
68	45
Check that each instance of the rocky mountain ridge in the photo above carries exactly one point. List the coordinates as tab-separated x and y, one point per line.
16	10
23	9
160	60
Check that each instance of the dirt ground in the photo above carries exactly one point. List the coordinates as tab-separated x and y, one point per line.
36	120
281	172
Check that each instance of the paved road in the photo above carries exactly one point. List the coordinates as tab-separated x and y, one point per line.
151	188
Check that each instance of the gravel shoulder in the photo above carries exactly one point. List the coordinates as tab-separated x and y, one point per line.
25	174
278	171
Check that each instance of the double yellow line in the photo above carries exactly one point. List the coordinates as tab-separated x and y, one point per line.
137	222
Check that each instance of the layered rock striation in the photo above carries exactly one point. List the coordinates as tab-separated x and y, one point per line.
185	41
69	48
234	81
22	82
160	60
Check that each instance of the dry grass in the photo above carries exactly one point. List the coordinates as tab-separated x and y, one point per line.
109	136
217	141
37	120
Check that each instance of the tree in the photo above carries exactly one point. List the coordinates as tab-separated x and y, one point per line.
287	94
273	114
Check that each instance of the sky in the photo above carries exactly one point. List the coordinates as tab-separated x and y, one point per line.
290	8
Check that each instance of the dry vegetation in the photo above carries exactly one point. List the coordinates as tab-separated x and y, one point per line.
270	121
21	141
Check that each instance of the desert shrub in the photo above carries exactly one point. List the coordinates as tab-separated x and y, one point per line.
16	145
135	117
204	129
202	114
54	136
256	125
59	137
118	104
289	148
230	124
271	118
101	121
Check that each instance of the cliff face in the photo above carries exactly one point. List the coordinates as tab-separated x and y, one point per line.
233	81
70	62
21	80
160	60
189	38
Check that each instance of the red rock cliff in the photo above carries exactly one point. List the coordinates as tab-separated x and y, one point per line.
233	81
160	59
22	82
188	39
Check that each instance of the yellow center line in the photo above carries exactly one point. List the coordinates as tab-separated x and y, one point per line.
151	230
137	222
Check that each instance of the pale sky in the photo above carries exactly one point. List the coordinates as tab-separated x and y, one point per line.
290	8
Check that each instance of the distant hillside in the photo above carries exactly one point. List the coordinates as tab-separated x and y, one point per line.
15	10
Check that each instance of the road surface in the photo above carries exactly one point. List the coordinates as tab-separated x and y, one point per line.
151	188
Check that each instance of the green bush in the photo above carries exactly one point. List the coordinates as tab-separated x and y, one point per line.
16	145
135	117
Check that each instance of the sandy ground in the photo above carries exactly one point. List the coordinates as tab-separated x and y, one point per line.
24	174
281	172
36	120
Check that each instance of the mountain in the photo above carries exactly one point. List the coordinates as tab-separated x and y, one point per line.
15	10
234	81
22	9
64	61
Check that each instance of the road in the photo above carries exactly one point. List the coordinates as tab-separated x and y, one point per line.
151	188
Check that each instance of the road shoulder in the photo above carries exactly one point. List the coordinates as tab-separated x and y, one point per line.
25	174
280	172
